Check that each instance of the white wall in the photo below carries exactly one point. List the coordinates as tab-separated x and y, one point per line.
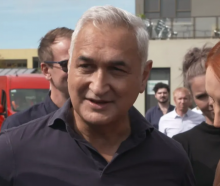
139	7
170	53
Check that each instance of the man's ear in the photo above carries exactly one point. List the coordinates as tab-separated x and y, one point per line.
145	75
45	71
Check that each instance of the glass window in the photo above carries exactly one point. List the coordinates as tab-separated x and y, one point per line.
183	5
13	63
152	5
168	9
22	99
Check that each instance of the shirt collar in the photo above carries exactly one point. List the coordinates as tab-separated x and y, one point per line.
158	107
175	115
138	122
49	104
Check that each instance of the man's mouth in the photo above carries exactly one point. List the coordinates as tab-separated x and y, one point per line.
99	104
99	101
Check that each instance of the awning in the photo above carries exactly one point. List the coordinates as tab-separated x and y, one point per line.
16	71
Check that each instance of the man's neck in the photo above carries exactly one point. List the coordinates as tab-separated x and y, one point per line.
58	97
164	107
181	113
105	138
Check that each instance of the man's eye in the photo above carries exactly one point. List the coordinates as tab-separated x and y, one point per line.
85	66
117	69
201	96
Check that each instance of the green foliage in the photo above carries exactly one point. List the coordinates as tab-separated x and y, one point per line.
142	16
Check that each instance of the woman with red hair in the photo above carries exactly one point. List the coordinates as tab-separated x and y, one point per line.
213	80
213	89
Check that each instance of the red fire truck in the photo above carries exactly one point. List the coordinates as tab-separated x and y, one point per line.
18	92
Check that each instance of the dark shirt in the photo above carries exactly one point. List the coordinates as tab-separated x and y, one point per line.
202	146
30	114
154	114
47	152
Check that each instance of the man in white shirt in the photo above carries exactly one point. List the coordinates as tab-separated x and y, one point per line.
197	110
181	118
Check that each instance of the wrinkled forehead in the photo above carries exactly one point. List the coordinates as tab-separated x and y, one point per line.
90	29
118	40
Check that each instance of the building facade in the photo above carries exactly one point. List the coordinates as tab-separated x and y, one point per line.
18	58
175	26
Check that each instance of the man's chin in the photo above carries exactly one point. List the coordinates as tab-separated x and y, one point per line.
97	118
164	101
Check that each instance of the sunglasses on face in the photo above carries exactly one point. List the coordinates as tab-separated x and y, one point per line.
63	64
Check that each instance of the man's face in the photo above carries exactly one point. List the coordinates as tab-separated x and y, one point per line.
162	95
182	100
55	74
105	74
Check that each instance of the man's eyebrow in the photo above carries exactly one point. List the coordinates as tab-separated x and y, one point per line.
118	63
90	60
86	59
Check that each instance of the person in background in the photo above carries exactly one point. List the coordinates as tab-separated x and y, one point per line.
19	102
181	118
197	110
53	55
213	89
202	142
97	138
162	94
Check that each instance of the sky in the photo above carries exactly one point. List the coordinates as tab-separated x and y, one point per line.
24	22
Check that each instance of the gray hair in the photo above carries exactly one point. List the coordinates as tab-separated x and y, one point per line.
117	17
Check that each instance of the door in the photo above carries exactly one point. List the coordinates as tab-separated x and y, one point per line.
157	75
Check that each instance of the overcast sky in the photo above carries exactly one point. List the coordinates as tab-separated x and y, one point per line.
24	22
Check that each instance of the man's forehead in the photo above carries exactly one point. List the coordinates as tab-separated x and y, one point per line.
112	43
90	31
162	90
181	93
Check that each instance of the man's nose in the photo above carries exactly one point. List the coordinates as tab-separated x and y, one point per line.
99	83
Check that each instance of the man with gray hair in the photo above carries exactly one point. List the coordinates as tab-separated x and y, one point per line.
97	138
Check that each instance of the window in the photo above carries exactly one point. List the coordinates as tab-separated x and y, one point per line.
36	63
167	8
13	63
22	99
